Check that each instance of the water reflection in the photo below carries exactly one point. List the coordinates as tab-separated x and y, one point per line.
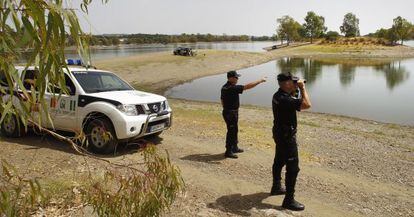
394	73
375	89
307	68
311	69
346	74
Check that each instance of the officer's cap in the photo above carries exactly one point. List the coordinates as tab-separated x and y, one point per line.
232	74
286	76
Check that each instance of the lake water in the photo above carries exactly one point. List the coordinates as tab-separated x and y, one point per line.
123	51
369	89
409	43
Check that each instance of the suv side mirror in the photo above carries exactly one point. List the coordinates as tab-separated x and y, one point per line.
71	90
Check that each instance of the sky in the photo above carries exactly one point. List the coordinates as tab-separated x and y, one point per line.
233	17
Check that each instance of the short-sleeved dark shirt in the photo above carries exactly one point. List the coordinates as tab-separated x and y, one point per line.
284	107
230	96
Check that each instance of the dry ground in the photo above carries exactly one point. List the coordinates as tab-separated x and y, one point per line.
349	167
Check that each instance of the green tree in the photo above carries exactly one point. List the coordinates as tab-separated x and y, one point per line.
350	25
391	36
402	28
381	33
115	41
105	41
314	25
288	29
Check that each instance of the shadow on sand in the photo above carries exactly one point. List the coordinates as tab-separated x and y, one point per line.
241	204
205	158
35	140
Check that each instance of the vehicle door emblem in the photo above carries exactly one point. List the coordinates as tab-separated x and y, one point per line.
62	104
155	108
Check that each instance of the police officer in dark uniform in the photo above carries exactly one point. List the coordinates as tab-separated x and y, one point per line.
231	103
285	105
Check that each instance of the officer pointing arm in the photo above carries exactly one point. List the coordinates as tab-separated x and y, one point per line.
230	100
254	84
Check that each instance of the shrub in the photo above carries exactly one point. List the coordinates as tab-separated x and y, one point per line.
145	190
144	193
331	36
18	196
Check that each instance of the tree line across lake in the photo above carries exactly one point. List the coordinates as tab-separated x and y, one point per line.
287	30
117	39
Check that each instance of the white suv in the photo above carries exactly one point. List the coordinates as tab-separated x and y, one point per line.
102	105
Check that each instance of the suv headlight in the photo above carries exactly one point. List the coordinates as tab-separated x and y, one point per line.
165	105
130	110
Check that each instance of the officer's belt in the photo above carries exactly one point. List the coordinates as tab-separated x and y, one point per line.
230	110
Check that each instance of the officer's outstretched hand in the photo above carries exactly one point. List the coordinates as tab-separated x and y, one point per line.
254	84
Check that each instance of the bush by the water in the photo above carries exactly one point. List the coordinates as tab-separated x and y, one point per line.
331	36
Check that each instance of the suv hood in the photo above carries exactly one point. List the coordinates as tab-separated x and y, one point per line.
129	96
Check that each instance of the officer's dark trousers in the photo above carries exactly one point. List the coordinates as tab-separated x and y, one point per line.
231	117
286	154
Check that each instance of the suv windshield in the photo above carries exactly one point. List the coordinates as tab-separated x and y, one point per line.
93	82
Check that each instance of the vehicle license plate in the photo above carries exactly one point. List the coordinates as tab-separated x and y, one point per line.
157	127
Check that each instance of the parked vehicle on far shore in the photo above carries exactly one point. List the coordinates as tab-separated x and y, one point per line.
184	51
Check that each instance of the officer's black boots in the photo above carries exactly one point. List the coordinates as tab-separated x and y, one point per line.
238	150
290	203
277	189
230	155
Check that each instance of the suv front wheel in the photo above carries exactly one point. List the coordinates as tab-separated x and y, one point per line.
101	136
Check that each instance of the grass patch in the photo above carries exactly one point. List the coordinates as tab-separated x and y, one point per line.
378	132
57	187
332	48
308	157
144	87
308	123
210	116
